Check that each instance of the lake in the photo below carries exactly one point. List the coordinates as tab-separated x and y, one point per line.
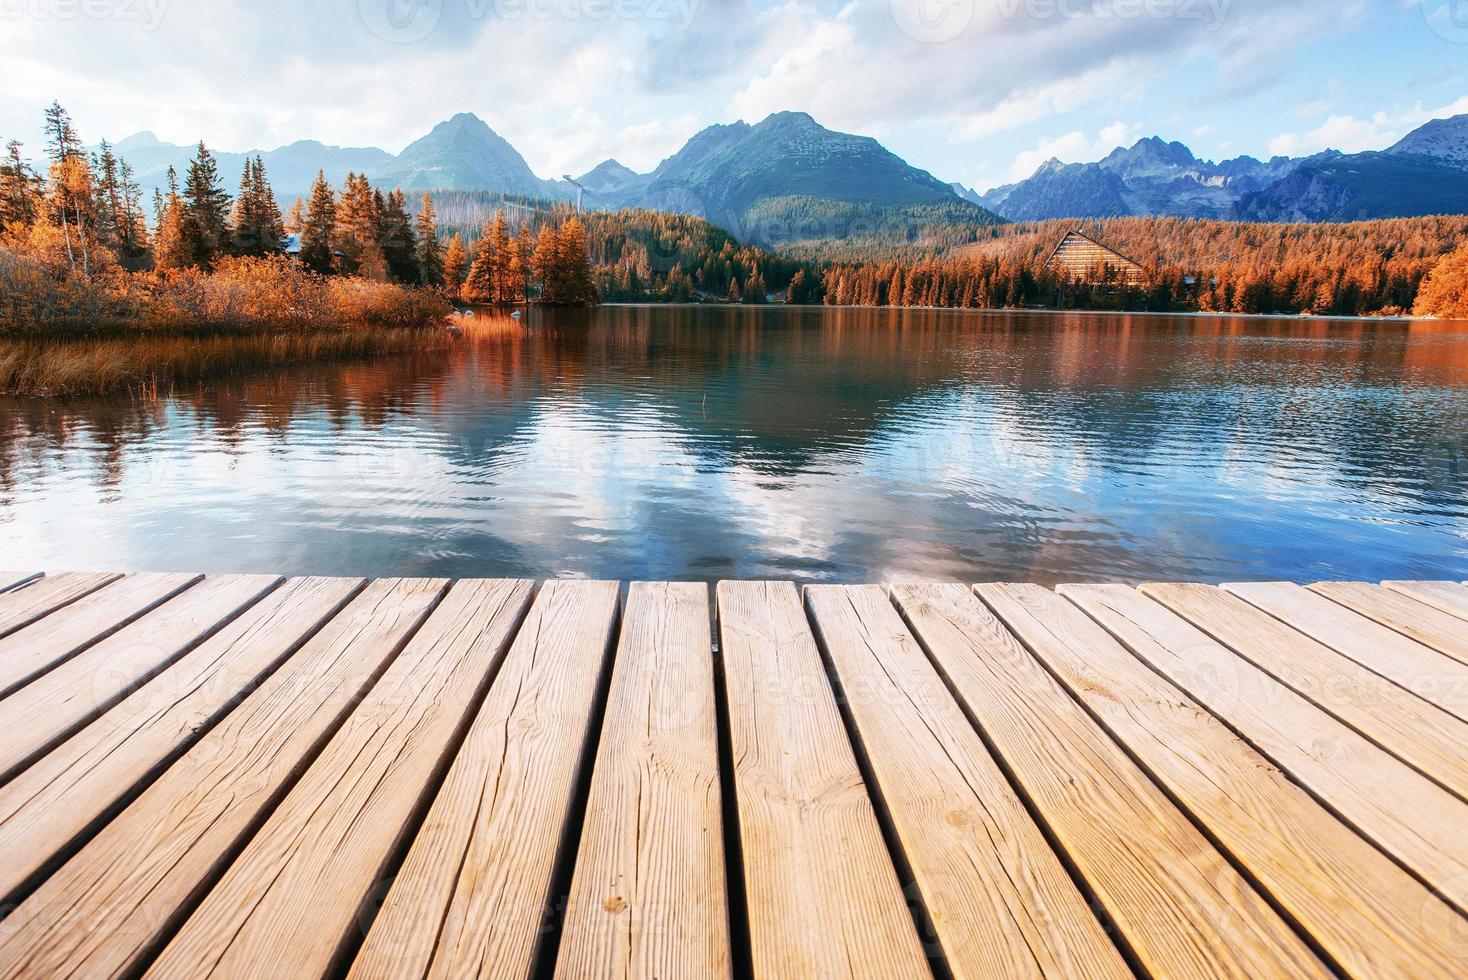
809	444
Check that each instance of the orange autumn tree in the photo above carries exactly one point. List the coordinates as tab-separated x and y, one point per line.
1444	292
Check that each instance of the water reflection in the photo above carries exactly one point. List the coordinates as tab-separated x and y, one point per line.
826	445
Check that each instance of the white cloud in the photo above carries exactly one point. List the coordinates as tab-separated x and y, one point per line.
1074	147
1351	134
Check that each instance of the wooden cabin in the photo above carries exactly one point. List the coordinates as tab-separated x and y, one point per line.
1083	259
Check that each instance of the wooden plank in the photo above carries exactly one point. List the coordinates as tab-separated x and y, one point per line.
38	716
106	911
823	896
26	603
1181	906
472	897
1421	670
291	900
1000	900
1416	731
1450	597
1369	915
10	580
58	800
63	634
1406	814
1411	617
648	898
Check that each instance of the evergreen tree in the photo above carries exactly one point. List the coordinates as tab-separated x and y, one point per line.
108	197
258	226
318	228
62	141
206	231
399	240
430	255
455	265
18	189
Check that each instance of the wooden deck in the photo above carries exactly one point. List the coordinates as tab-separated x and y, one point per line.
243	775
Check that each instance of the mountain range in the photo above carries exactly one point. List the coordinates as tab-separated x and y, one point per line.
1424	173
788	178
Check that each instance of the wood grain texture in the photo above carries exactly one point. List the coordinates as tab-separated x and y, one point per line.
28	602
1182	907
471	899
1450	597
648	898
1000	900
1406	814
1416	731
292	899
1430	675
1370	916
1411	617
106	911
9	580
63	634
824	899
57	799
43	712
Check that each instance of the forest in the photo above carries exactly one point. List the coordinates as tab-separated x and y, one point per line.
1367	268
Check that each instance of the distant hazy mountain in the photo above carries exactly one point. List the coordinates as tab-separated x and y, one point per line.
1422	174
786	178
291	168
1360	187
611	181
463	154
1445	140
1151	177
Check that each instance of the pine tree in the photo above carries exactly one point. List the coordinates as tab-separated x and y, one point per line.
62	141
430	255
318	229
107	195
455	263
399	240
258	226
206	229
18	189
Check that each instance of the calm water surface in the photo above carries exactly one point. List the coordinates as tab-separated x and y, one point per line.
817	445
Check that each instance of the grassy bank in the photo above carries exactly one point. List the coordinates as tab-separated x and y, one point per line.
112	331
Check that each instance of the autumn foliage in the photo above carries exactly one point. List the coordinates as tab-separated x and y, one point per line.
1444	292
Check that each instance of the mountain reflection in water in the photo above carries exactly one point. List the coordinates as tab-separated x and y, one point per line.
830	445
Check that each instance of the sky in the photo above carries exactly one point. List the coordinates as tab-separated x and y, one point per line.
977	91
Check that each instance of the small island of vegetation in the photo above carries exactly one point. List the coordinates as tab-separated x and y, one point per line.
94	297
